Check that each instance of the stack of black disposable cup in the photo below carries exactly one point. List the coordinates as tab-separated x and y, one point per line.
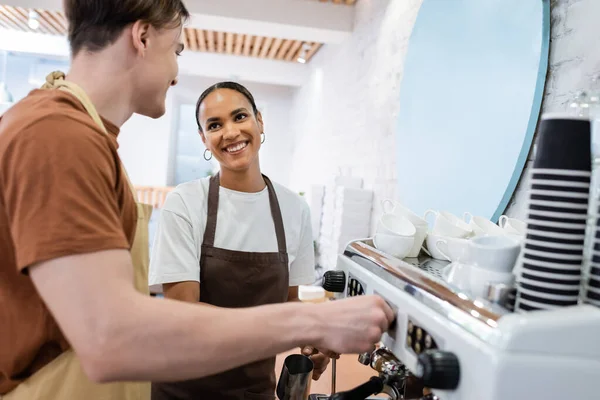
592	289
550	274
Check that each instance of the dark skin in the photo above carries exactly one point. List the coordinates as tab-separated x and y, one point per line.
228	122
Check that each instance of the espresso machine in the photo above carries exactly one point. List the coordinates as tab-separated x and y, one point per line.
447	345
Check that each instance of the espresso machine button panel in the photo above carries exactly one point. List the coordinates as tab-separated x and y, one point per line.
355	287
418	339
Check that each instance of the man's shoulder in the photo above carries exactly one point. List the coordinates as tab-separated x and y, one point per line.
48	118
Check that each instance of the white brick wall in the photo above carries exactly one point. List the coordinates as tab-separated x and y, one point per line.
344	118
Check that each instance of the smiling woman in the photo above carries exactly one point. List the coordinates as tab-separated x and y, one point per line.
231	128
233	240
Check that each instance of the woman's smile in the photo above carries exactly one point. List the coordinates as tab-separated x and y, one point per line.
237	147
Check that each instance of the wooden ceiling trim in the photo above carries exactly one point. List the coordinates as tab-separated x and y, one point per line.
274	48
293	51
58	19
54	23
346	2
210	41
220	42
239	43
229	37
44	26
185	38
200	39
247	45
313	50
8	17
284	49
51	24
257	45
190	38
265	47
5	24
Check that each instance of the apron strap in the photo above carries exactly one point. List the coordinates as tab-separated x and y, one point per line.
56	80
213	208
277	218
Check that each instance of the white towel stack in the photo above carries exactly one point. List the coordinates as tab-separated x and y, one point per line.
315	202
346	216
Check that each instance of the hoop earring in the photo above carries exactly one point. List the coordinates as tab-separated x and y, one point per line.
210	155
262	138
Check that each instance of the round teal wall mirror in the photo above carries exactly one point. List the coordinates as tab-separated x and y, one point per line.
470	100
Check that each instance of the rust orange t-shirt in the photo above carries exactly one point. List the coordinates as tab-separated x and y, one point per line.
62	192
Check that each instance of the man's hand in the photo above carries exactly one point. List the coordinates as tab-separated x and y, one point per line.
352	325
320	360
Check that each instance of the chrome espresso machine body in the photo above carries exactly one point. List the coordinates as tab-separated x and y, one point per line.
447	345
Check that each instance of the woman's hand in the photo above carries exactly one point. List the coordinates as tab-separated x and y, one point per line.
320	360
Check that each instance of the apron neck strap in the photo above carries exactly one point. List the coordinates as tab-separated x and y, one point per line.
277	218
213	208
56	80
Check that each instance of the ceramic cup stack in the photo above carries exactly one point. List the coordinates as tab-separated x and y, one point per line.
550	270
395	235
395	208
447	238
513	227
486	270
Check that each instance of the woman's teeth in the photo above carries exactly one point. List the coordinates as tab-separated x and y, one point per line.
236	147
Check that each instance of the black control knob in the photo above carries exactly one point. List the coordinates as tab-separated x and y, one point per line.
438	369
334	281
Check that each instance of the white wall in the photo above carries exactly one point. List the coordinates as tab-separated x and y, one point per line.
345	117
144	147
147	146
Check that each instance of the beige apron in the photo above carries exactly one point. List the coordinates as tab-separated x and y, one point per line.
63	378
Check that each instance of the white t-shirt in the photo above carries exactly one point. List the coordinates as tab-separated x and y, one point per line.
244	223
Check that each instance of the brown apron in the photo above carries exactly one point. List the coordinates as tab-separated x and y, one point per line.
63	378
236	279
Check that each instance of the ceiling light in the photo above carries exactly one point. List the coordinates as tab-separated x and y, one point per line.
33	21
304	53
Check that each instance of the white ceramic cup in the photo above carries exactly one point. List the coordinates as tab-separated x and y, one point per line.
443	226
395	208
453	249
396	225
431	241
512	226
462	223
480	277
494	253
483	226
395	235
394	245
